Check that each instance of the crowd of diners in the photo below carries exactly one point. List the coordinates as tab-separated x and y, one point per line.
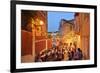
61	52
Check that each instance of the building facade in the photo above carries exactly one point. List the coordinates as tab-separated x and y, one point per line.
77	32
65	30
82	28
33	33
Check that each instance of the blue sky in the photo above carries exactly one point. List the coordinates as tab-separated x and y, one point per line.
55	17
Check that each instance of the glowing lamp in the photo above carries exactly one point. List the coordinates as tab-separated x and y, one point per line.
41	22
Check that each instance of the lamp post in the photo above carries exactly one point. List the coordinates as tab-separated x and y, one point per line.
41	23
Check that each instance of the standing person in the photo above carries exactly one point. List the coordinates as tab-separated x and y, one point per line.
70	51
57	44
78	54
66	55
70	57
54	43
70	46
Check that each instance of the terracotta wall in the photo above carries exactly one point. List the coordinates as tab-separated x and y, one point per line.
26	43
41	45
49	43
82	21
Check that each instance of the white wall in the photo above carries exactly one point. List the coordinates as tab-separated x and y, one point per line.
5	37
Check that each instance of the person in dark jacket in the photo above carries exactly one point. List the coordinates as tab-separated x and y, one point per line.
78	54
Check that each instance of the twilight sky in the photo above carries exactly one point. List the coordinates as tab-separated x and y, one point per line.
55	17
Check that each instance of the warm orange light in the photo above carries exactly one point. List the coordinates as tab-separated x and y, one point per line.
41	22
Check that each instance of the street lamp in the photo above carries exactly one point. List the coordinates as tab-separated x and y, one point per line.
41	22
